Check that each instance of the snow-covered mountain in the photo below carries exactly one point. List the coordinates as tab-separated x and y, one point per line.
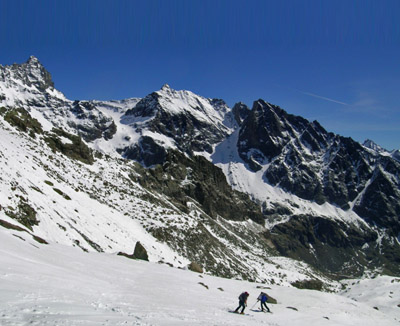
395	154
240	191
181	120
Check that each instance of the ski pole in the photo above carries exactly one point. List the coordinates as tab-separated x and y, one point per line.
254	305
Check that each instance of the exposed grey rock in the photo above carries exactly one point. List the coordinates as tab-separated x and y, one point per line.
335	247
140	252
293	308
240	112
195	267
306	160
204	183
308	284
32	73
94	124
204	285
147	151
189	132
77	150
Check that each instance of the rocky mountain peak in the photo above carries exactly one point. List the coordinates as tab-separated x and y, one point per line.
165	87
33	60
266	131
171	102
191	122
396	155
240	112
372	145
31	73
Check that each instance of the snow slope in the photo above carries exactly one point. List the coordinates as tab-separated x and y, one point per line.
72	201
60	285
177	102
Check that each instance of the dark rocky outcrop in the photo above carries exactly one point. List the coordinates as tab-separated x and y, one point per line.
24	213
195	267
240	112
305	160
380	204
186	179
100	126
308	285
189	132
335	247
31	73
77	149
146	151
22	120
140	252
265	132
11	226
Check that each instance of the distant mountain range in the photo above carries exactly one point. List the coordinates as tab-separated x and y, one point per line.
234	189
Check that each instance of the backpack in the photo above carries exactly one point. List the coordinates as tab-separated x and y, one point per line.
242	296
263	297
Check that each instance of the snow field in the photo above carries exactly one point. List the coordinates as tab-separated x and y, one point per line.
111	220
60	285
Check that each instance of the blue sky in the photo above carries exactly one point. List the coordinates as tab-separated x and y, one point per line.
332	61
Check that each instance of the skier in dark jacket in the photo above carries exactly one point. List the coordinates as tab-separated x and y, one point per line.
263	299
242	302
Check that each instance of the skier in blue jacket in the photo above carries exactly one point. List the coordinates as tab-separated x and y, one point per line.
263	299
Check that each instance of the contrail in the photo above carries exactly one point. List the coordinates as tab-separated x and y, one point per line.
322	97
315	95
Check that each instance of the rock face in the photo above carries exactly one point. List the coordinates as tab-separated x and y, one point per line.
147	151
305	160
140	252
193	123
31	73
195	267
28	84
333	246
196	179
33	89
92	124
240	112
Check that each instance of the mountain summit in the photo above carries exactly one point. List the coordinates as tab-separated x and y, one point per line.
30	73
27	84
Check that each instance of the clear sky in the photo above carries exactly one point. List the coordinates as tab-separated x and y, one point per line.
337	62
